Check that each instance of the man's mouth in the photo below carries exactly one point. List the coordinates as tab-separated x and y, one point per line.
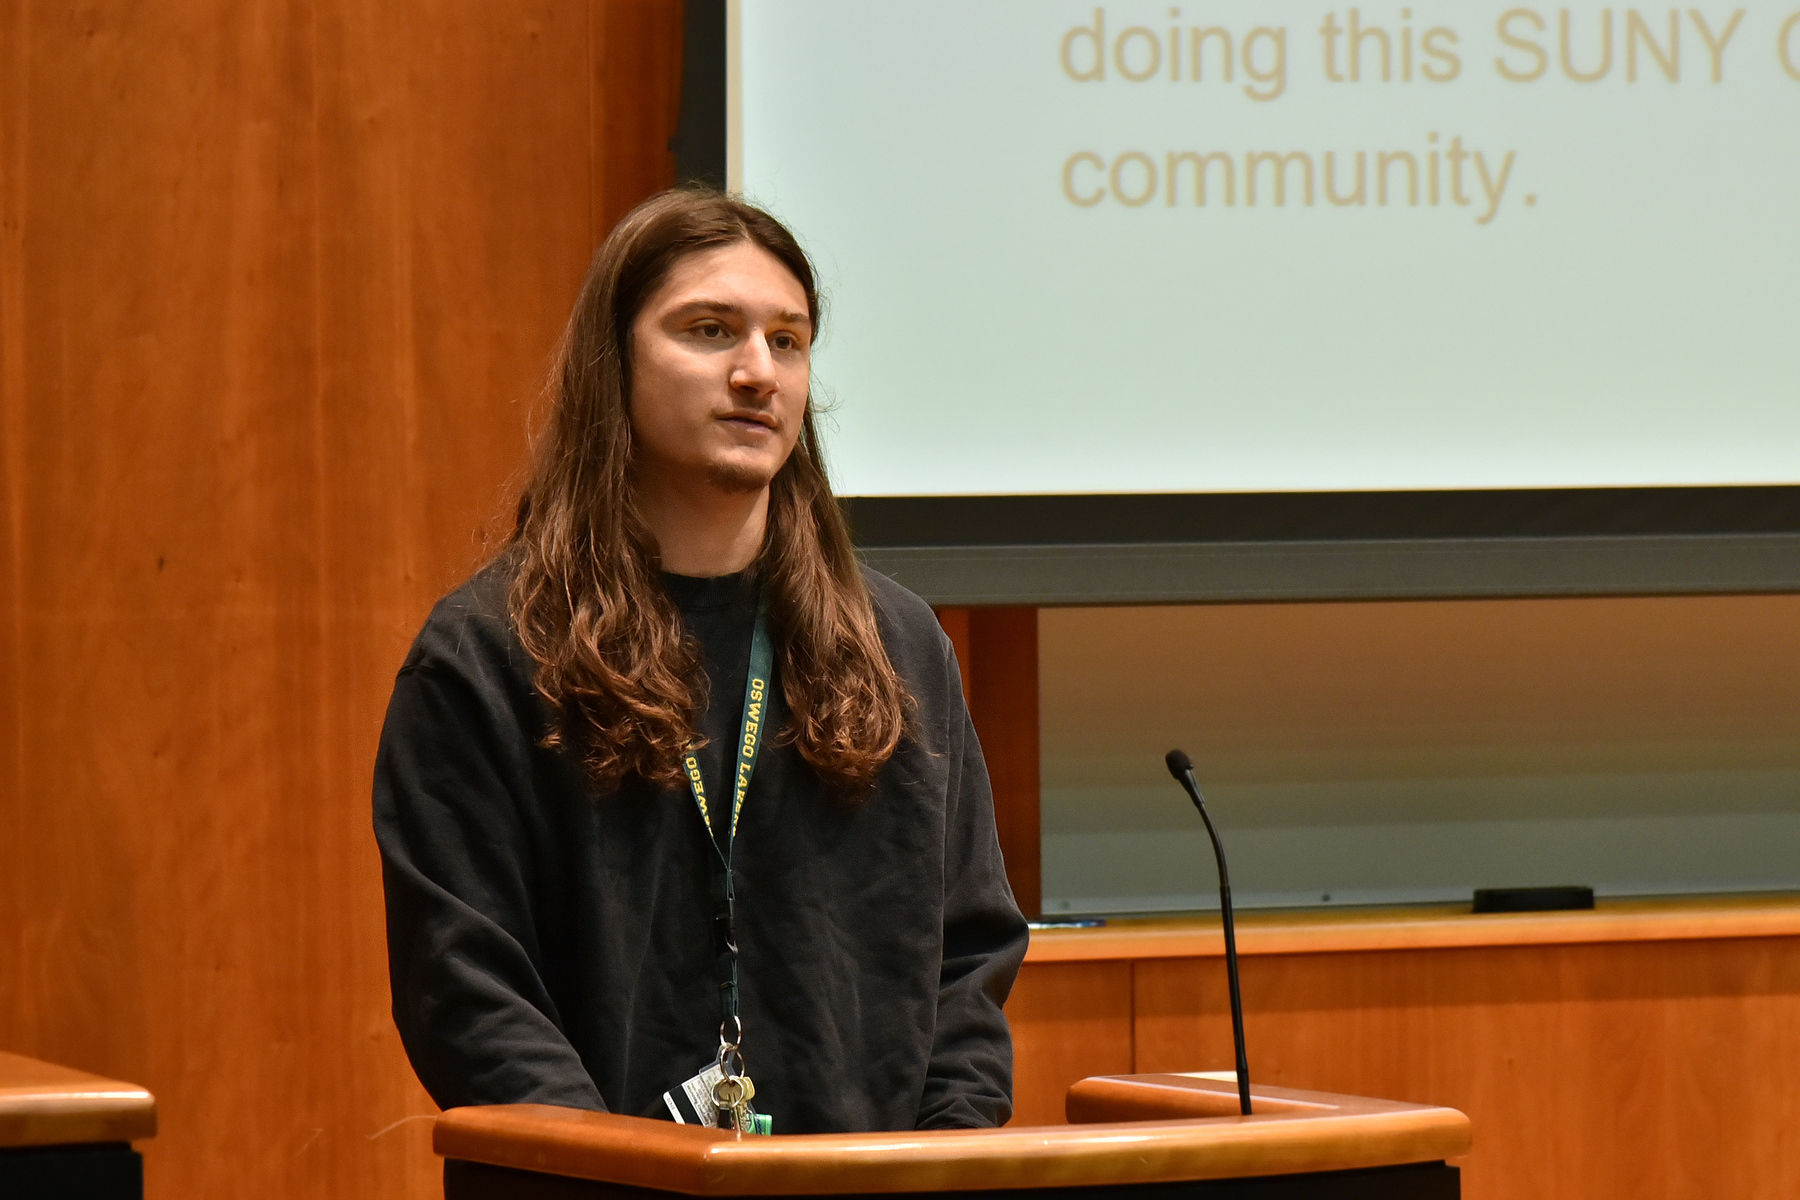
750	420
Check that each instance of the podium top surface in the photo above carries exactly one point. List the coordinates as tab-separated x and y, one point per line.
42	1104
1290	1132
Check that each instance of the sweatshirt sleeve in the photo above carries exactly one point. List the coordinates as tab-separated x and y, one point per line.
470	1001
969	1082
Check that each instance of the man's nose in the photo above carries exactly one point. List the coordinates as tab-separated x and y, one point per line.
755	367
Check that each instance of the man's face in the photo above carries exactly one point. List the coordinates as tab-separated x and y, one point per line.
720	364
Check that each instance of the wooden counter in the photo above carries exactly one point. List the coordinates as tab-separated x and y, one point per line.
1419	927
46	1105
1642	1048
67	1133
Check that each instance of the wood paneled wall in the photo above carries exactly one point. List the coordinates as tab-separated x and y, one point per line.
1627	1071
997	649
279	280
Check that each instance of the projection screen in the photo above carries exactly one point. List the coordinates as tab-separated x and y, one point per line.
1288	248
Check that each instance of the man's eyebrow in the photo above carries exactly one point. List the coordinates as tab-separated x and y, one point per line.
720	306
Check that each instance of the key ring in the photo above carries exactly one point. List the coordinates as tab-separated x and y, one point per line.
731	1058
729	1092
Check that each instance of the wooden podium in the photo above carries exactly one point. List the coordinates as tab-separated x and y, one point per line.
1155	1137
65	1133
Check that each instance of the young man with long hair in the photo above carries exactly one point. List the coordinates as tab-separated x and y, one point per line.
673	789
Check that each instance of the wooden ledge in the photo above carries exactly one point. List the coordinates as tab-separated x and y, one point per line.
1419	927
1312	1131
1390	1131
46	1105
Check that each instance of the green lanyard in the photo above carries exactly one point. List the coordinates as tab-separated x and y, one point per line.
757	700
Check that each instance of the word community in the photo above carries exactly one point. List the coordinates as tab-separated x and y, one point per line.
1442	174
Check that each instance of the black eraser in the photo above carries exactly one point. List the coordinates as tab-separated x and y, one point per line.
1533	899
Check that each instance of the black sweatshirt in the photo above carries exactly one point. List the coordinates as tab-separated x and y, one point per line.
547	945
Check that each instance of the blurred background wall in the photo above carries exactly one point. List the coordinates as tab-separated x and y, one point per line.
1411	752
279	280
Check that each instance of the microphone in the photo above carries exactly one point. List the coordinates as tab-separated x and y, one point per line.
1182	768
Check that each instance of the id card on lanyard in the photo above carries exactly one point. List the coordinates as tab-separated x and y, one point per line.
727	1080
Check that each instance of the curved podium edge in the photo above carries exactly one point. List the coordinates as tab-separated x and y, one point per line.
1312	1132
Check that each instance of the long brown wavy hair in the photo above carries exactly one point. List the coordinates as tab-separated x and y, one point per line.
624	683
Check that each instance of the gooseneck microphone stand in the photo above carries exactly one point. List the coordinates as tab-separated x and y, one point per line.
1182	768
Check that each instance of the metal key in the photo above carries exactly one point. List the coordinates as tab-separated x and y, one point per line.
731	1094
742	1115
